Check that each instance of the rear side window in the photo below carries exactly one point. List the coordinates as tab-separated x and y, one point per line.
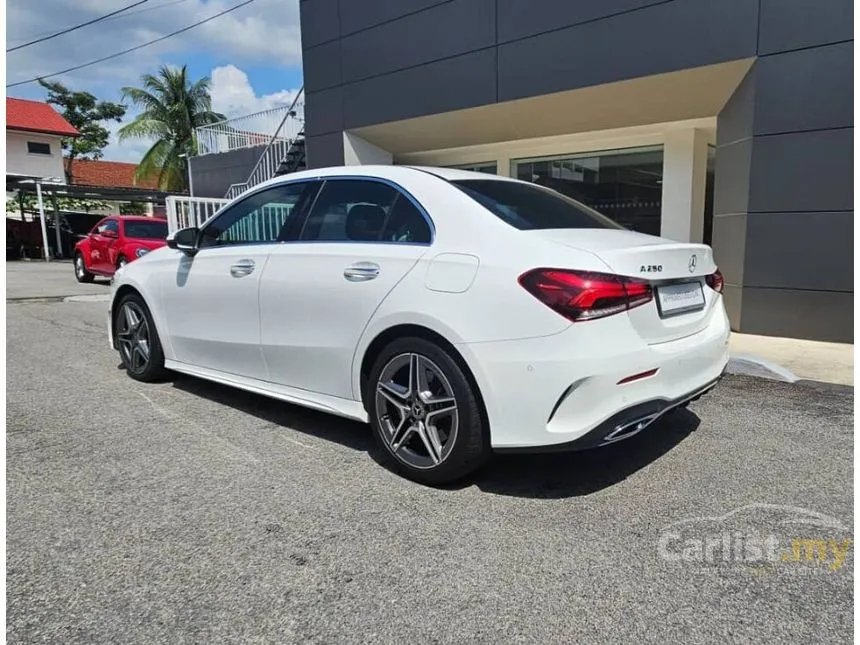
361	210
530	207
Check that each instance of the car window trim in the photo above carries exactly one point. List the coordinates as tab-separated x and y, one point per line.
401	192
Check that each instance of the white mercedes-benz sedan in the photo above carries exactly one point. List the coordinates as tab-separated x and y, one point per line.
458	313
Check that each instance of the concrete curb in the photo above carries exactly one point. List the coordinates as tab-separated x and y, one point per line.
751	365
91	297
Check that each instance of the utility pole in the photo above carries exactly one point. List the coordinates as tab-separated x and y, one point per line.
42	218
57	224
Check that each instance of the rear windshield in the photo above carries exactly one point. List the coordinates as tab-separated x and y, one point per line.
531	207
142	229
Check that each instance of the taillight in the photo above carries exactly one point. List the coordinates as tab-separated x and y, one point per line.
585	295
715	281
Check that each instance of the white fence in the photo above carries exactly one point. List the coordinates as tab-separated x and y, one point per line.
265	168
183	212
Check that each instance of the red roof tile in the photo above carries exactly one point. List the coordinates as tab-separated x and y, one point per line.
108	174
35	116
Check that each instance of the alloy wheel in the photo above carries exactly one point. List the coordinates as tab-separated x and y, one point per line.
80	270
133	336
416	410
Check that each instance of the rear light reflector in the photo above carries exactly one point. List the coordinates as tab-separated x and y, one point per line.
636	377
585	295
715	281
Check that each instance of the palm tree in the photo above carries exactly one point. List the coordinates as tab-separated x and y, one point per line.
172	107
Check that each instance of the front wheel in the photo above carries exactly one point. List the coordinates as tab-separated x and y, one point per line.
139	345
81	273
426	414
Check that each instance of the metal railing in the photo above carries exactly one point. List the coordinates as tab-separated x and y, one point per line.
275	151
183	212
258	129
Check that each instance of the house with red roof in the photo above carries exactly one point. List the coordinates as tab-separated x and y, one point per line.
34	131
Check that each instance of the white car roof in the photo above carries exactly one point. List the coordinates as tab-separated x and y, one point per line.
391	172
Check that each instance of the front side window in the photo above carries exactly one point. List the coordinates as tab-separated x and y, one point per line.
261	218
529	207
107	226
362	210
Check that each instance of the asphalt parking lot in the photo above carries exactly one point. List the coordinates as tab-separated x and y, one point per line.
186	512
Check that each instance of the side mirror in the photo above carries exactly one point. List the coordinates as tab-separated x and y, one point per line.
185	240
109	233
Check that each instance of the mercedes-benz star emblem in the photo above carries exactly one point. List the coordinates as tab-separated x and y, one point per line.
692	263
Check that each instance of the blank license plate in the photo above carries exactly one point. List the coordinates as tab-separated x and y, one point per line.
673	299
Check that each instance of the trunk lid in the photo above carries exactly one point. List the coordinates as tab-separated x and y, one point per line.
683	302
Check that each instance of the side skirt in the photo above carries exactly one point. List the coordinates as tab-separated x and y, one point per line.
341	407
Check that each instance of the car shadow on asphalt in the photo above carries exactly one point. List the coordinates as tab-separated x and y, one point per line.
329	427
574	474
539	476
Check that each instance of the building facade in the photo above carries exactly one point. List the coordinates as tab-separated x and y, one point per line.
727	122
34	134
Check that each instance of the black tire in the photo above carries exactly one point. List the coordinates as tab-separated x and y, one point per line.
81	273
470	447
151	370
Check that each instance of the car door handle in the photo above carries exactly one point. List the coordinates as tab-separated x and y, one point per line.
242	268
361	271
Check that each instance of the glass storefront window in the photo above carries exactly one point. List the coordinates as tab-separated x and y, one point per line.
625	185
488	167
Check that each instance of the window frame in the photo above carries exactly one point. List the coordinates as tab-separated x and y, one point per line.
401	193
287	231
50	152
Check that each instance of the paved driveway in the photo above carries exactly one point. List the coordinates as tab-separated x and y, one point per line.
189	513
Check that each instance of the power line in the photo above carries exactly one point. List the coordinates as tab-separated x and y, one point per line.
119	17
70	29
128	51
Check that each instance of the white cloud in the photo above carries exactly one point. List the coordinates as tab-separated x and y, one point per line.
264	32
233	95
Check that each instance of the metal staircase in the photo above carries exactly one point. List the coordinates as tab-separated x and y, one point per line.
284	150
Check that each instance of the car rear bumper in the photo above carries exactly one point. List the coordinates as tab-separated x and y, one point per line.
567	391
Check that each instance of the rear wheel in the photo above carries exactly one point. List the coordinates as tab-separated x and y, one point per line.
81	273
139	345
426	415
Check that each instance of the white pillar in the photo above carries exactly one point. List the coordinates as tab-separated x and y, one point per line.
503	165
685	166
358	152
42	219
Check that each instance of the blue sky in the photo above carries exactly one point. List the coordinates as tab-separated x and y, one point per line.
252	56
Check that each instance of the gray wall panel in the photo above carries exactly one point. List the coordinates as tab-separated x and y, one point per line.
804	171
522	18
729	244
324	111
800	251
325	150
805	90
442	31
657	39
356	15
817	315
793	24
322	66
451	84
319	22
213	174
732	178
735	120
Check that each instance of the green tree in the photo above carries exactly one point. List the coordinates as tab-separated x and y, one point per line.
172	106
86	113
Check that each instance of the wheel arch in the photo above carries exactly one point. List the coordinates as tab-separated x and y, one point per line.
122	291
412	330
